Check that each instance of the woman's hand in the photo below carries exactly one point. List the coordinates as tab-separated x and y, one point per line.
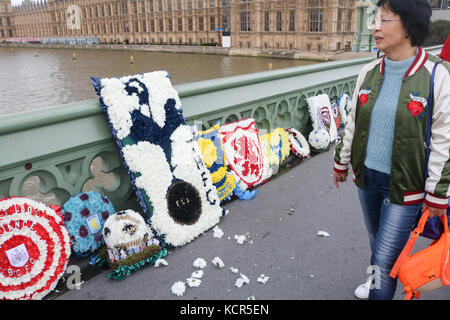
339	177
434	212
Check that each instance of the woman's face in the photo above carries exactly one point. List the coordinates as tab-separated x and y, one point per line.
389	32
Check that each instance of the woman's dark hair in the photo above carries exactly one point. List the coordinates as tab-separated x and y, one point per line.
415	16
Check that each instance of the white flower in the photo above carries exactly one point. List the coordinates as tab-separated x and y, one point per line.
178	288
218	262
193	282
263	279
218	233
239	238
197	274
234	269
251	298
160	262
199	263
245	278
323	234
239	282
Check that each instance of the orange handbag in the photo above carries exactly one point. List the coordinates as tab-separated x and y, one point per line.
427	269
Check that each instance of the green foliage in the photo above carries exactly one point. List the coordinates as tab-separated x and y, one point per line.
439	31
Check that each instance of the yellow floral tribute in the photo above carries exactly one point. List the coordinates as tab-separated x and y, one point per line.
210	144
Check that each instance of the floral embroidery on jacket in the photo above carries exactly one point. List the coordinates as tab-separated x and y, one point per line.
364	96
417	104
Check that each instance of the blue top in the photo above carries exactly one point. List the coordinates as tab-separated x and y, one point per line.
381	132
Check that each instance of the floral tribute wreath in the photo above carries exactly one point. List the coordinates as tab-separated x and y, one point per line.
324	128
336	114
84	216
34	248
243	152
299	144
276	148
130	244
210	144
164	162
344	104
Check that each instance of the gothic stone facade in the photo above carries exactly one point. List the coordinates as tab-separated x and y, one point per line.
255	26
6	21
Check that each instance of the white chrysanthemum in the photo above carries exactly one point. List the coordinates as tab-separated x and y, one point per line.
193	282
239	282
245	278
218	233
263	279
160	262
218	262
323	234
199	263
178	288
197	274
234	269
239	238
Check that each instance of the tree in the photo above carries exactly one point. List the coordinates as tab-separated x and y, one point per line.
439	31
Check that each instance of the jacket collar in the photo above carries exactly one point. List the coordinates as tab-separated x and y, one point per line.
418	63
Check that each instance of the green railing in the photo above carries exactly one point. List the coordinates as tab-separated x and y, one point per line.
54	153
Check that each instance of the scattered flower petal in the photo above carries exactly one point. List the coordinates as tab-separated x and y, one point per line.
251	298
234	269
199	263
160	262
240	239
193	282
239	282
218	262
263	279
323	234
245	278
197	274
218	233
178	288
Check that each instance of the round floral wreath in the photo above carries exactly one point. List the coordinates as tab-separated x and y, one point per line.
299	144
34	249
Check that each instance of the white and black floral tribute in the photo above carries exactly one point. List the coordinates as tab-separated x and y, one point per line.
163	159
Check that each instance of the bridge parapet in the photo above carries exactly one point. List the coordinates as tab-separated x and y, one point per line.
52	154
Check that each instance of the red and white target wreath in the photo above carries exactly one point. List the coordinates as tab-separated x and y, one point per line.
34	249
299	144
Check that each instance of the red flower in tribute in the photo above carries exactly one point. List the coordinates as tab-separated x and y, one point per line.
84	197
415	107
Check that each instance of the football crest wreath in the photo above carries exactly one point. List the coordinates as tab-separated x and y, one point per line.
84	216
164	161
34	248
344	104
211	146
130	243
324	128
275	148
299	145
243	152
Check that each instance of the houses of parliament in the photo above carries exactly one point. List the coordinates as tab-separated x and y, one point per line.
286	26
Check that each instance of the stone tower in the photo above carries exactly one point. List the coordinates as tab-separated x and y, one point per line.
6	20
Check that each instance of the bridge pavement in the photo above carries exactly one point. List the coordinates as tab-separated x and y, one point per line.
281	243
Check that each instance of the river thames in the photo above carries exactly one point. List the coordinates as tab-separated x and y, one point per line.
33	79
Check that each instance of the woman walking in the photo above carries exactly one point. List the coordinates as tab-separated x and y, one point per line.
385	134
